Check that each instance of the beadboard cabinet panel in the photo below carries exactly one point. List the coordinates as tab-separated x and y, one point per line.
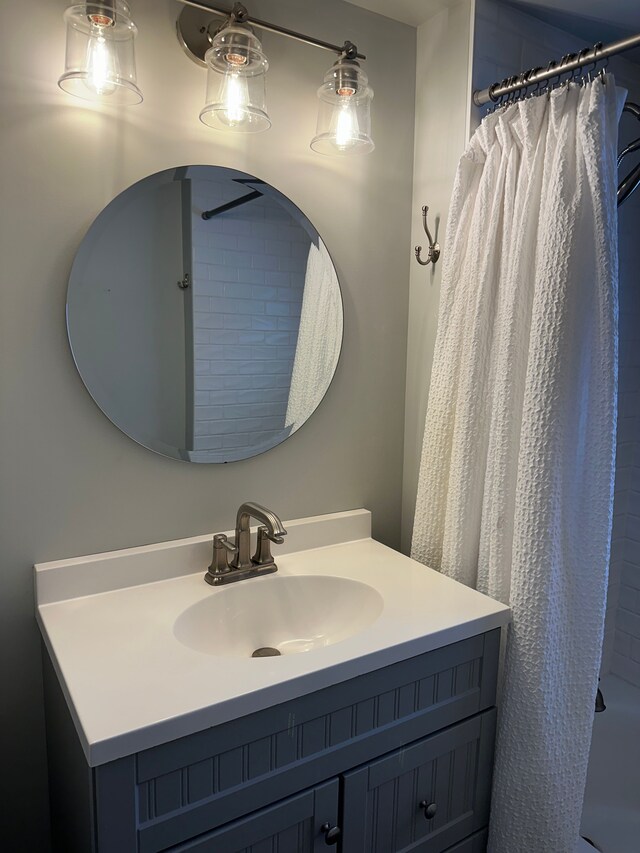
201	781
253	784
291	826
449	772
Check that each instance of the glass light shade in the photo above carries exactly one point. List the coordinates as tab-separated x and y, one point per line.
236	68
344	112
100	60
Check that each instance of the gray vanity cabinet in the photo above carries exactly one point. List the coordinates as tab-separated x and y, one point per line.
294	825
424	796
399	759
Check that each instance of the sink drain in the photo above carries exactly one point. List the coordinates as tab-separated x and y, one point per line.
266	652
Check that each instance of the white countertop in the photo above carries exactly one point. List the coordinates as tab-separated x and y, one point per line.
108	624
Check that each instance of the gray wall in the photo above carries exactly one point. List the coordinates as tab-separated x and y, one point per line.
441	134
71	482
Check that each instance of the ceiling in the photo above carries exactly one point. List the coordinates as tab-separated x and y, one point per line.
621	15
615	17
589	20
596	22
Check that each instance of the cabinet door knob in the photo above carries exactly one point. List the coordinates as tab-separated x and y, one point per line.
331	833
430	809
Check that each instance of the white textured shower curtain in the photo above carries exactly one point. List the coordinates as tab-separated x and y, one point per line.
516	479
319	337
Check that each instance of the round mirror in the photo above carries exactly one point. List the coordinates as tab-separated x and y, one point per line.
204	314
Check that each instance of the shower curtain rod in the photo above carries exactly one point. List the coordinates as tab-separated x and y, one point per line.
570	62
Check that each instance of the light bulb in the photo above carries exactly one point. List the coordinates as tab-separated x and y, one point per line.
346	127
102	72
235	98
100	62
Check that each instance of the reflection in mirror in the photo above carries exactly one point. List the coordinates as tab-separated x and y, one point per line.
204	314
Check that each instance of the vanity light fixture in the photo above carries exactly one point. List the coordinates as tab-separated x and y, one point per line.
344	112
236	67
100	60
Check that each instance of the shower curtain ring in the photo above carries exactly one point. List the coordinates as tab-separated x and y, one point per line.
434	248
533	73
596	49
566	59
547	82
578	73
502	99
603	71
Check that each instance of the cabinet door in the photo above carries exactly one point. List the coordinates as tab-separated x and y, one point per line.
425	797
294	825
476	843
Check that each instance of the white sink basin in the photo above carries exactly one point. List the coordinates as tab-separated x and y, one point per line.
289	614
147	652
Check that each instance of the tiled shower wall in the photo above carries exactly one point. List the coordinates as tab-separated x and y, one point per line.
522	41
248	280
622	640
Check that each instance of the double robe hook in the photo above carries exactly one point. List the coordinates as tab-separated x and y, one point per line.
434	248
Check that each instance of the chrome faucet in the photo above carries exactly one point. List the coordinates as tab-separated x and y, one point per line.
241	565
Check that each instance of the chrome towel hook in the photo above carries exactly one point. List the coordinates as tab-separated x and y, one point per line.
434	248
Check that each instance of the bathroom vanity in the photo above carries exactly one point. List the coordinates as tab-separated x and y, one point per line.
373	731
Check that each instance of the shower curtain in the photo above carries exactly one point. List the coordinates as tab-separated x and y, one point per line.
319	337
516	479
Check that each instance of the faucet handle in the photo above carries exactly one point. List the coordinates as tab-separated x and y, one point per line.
263	548
220	561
